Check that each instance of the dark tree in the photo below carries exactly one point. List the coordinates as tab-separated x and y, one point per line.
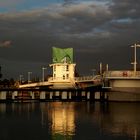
0	72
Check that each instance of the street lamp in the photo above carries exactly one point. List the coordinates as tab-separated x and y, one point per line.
43	73
101	69
106	67
135	57
20	79
29	76
93	72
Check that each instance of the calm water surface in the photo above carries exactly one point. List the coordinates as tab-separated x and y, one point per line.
70	121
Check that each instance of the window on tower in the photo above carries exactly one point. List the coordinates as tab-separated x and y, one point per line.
67	68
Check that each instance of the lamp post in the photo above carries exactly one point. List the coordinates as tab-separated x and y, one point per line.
101	69
20	79
106	67
43	73
29	76
93	72
135	57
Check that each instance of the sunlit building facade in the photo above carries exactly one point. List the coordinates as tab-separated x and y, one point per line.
63	67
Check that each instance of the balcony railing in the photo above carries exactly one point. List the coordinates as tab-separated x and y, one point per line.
75	79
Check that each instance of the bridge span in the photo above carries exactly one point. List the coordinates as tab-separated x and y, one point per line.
74	83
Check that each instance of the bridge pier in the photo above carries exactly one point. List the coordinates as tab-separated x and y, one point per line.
36	95
87	95
47	95
64	95
42	95
69	95
3	95
56	95
32	94
97	95
106	96
83	95
51	95
14	94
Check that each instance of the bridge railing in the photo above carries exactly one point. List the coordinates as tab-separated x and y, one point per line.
76	79
88	78
58	79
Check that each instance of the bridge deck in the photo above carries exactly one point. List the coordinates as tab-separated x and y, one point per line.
94	79
38	84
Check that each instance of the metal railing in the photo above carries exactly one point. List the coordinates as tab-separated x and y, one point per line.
88	78
76	79
58	79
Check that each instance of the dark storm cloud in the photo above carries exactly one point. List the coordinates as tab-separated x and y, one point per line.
125	9
96	31
58	23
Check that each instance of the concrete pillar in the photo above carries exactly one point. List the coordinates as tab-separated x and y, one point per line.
51	94
3	95
57	93
69	95
88	95
106	96
32	94
83	95
97	95
42	95
15	93
64	95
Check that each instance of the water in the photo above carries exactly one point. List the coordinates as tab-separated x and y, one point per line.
69	121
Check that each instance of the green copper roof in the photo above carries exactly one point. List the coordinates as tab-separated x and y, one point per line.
62	55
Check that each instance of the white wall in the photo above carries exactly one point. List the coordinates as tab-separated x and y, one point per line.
125	83
63	72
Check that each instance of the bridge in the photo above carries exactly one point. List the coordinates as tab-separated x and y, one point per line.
82	88
94	80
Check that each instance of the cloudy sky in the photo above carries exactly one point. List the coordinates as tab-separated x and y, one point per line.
99	31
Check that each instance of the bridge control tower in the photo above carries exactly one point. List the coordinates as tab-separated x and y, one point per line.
63	73
63	68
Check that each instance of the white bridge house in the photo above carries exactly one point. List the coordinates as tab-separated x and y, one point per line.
63	68
62	72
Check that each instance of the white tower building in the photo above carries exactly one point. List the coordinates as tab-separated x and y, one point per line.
63	68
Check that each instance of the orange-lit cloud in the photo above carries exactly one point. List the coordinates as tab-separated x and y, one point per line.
5	44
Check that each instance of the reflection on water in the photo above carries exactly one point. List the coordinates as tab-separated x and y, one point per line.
70	120
61	118
120	119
